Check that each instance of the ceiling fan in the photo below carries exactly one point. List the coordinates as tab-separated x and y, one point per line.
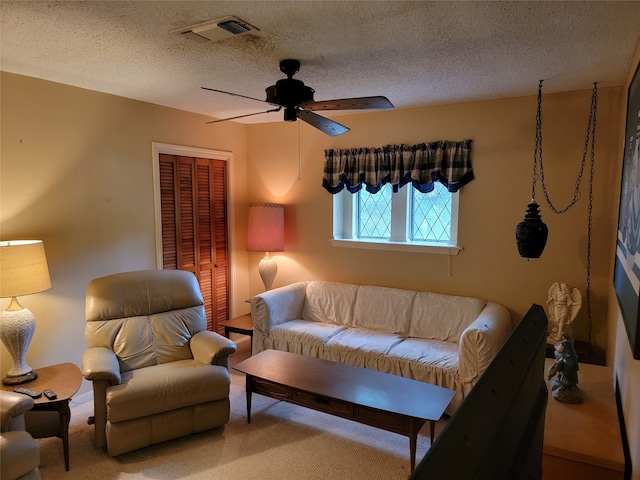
298	103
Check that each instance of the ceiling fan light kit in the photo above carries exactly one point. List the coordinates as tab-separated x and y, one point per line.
298	102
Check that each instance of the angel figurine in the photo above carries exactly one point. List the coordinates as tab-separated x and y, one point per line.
564	305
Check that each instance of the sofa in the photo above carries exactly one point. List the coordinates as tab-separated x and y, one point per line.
19	452
440	339
157	373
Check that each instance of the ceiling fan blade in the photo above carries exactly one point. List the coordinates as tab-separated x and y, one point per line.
323	124
358	103
234	94
242	116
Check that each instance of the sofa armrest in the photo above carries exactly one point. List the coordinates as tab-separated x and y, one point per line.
274	307
12	405
277	306
481	341
211	348
101	364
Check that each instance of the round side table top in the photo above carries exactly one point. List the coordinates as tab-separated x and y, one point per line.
64	379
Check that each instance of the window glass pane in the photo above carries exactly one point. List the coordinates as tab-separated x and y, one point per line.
374	213
431	214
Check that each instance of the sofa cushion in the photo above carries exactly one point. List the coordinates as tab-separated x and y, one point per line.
365	340
329	302
418	351
316	334
442	317
184	383
383	309
430	361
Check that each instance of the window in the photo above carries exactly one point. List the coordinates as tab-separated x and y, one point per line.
407	220
397	218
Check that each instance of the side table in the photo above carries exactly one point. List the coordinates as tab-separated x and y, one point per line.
242	325
50	418
584	441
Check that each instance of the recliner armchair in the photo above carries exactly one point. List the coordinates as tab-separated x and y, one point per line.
157	373
19	452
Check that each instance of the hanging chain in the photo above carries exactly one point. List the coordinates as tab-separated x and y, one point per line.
594	109
537	159
537	151
590	127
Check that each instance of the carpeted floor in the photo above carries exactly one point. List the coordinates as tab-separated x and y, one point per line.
282	442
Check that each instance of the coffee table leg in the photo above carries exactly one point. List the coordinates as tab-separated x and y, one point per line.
249	390
413	440
432	429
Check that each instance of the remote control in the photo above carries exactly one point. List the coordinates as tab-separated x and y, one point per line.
50	394
28	391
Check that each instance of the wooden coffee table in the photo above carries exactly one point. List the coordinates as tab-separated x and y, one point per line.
381	400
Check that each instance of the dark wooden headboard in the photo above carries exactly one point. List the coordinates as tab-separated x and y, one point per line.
497	432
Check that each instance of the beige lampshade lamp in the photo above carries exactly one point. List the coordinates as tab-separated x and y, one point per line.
265	233
23	271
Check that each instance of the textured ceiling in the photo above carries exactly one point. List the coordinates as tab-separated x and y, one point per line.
415	53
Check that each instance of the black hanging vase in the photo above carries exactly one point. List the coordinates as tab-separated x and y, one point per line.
531	233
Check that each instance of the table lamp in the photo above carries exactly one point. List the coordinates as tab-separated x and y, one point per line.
23	271
265	233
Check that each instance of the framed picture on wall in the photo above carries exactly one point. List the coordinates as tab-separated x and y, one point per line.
627	265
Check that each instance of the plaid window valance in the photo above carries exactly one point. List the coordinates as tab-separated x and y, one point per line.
446	162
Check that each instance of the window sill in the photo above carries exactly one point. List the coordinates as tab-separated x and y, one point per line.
434	249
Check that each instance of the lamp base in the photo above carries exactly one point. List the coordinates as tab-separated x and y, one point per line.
18	379
267	269
17	327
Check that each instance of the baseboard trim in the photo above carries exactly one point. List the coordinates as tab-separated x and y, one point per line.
82	398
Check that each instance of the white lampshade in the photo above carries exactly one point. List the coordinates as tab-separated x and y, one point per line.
23	271
23	268
265	233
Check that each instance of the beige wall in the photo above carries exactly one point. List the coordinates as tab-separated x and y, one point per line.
490	206
626	368
76	172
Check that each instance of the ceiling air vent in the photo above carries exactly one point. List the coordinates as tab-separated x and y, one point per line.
216	30
233	26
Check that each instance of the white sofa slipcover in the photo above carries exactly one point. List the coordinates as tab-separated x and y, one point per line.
440	339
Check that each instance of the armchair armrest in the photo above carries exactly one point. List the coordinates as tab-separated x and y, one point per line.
211	348
12	405
100	363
